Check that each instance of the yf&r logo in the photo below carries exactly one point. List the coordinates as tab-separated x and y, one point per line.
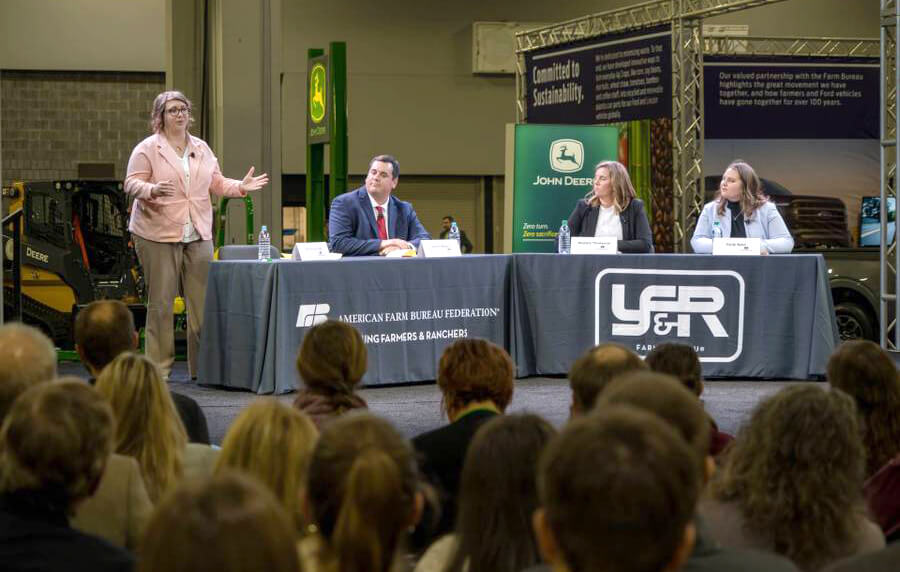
312	314
641	308
566	155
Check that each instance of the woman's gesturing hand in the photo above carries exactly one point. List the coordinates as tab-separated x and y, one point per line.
251	183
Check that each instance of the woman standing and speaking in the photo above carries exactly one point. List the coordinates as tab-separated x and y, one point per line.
170	175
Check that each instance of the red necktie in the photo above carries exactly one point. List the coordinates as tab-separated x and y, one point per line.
382	229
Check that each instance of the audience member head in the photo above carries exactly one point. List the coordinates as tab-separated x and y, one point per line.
103	330
796	473
475	371
28	358
867	373
55	442
498	495
362	492
229	523
273	442
147	425
679	360
618	489
665	397
332	361
591	373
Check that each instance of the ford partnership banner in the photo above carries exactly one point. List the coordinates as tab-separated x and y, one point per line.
554	167
790	99
618	78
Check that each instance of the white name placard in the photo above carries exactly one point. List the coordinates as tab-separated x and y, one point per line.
737	246
439	248
595	245
313	251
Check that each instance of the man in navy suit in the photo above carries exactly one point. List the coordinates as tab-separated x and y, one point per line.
369	220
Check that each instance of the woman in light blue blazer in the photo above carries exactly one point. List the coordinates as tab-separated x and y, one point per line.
741	210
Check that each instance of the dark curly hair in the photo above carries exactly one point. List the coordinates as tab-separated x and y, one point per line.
796	472
867	373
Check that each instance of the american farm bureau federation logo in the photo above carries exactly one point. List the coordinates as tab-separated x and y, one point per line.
312	314
641	308
566	155
317	93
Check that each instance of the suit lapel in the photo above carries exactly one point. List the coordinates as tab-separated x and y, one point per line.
366	205
590	222
393	215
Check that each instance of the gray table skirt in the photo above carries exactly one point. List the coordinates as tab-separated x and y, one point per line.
746	316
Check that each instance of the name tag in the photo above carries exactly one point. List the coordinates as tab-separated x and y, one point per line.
595	245
313	251
439	248
737	246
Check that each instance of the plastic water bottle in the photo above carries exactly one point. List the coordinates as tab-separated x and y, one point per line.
717	230
454	232
265	252
565	238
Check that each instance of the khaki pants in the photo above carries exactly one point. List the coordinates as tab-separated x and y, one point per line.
168	265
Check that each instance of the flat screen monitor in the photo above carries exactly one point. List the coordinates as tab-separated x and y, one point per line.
870	221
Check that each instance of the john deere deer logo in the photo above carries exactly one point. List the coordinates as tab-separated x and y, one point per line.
566	155
317	93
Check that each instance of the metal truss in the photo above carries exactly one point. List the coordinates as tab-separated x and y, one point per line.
687	128
685	17
890	157
811	47
645	14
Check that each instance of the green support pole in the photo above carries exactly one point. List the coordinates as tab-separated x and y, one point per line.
315	179
338	71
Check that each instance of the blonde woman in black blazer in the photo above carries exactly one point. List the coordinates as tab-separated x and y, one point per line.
612	203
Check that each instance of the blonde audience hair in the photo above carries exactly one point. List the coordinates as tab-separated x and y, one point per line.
229	523
148	426
362	492
273	442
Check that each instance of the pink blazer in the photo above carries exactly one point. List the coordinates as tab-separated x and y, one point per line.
162	219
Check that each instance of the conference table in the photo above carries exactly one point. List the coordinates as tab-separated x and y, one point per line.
746	316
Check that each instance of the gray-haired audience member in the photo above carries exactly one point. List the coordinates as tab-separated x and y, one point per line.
28	358
103	330
54	444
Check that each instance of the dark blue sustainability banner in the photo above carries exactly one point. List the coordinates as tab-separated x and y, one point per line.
618	78
797	98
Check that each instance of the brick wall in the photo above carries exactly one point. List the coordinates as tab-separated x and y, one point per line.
51	121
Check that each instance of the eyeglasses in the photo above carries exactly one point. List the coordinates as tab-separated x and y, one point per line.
176	111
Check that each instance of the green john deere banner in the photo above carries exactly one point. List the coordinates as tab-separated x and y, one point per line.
554	167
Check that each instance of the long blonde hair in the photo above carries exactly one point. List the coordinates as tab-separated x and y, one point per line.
147	425
623	190
273	442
